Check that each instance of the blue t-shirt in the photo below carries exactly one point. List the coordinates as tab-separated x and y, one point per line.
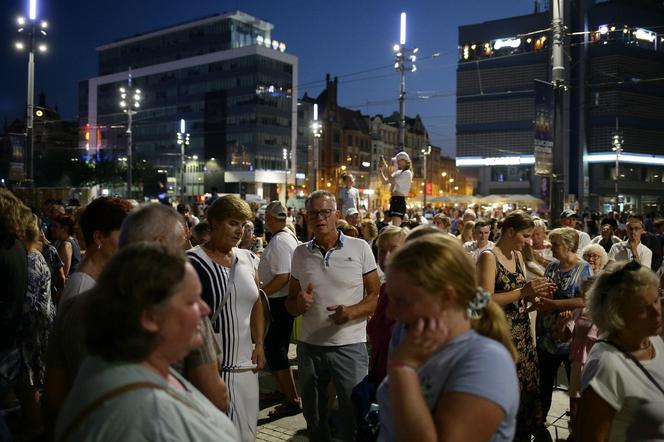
568	285
470	363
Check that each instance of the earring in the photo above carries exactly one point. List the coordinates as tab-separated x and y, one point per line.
98	246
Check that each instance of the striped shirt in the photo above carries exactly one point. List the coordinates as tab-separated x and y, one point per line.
232	326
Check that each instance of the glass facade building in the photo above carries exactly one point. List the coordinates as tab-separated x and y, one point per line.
233	85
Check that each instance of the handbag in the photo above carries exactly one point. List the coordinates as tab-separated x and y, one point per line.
628	355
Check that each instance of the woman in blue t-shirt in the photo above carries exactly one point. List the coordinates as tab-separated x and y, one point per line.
568	274
454	361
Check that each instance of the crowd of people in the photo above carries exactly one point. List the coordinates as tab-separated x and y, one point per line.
147	322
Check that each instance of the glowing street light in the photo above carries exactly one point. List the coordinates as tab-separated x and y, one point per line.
404	60
130	100
30	34
183	140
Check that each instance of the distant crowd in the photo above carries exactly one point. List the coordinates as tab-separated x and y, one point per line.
146	322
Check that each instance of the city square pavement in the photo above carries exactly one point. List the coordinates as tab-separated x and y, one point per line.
293	428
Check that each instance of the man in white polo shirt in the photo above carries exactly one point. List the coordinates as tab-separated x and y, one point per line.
329	277
632	249
568	219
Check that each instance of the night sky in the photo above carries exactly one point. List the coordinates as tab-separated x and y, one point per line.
351	39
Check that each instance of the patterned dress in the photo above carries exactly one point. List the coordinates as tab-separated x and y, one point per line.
530	416
37	320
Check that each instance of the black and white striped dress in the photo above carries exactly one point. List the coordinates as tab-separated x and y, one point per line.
232	327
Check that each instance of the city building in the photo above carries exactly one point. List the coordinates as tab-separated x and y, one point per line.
232	83
614	99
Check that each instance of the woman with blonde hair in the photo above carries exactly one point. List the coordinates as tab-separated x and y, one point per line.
502	273
623	379
455	361
35	325
400	181
467	232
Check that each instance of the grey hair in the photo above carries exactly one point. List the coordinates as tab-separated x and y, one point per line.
606	294
321	194
568	235
151	222
596	248
539	224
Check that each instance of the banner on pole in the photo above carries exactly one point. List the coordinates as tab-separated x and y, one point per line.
544	127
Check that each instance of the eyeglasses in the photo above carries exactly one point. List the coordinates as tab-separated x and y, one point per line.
593	257
314	213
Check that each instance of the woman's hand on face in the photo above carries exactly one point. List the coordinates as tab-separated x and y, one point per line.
422	339
258	357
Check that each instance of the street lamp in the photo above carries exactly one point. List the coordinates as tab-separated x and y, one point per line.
404	60
285	154
317	130
30	34
425	153
130	101
182	140
617	143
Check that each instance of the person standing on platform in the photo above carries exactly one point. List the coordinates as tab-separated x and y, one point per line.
334	286
349	195
400	181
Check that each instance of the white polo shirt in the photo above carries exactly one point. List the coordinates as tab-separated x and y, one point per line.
337	279
276	259
621	252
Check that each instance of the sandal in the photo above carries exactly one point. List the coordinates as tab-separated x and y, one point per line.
285	409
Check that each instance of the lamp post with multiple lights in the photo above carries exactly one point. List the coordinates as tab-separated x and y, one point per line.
31	32
285	154
425	153
404	60
617	142
130	101
183	141
317	130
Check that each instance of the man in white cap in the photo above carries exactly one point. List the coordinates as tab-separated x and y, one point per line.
353	217
274	272
400	181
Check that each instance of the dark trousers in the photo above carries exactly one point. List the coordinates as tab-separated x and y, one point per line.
548	369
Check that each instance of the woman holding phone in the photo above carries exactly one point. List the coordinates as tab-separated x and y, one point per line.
400	181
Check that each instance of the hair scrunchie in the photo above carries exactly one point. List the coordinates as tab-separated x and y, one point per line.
477	304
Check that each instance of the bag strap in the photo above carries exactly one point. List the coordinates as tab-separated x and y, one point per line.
636	361
101	400
227	292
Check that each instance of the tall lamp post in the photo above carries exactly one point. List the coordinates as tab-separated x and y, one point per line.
617	142
182	140
130	101
317	130
425	153
285	154
404	60
30	34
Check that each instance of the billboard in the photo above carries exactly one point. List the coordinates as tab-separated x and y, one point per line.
544	128
17	157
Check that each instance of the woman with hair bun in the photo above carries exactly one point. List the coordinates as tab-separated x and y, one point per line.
455	361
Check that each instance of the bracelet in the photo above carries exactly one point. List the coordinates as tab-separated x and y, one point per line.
399	364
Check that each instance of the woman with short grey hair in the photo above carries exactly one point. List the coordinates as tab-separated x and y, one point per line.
596	256
623	380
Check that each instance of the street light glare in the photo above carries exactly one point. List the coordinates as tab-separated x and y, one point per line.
42	48
19	45
123	104
396	48
32	14
20	21
44	24
402	34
